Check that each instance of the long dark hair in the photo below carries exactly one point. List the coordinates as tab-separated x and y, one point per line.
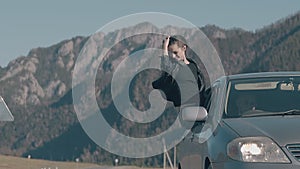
179	40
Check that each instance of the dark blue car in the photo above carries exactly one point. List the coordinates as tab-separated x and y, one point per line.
253	122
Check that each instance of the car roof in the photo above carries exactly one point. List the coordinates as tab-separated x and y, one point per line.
262	74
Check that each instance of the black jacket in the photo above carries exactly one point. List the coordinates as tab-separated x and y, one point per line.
180	76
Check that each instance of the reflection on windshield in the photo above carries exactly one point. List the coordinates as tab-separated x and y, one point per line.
263	96
255	113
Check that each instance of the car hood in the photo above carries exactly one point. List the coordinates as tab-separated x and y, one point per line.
282	129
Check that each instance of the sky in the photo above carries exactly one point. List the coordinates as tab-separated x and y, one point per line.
34	23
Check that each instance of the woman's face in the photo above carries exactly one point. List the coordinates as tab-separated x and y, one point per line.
177	52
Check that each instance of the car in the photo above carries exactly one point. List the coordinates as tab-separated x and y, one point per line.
252	121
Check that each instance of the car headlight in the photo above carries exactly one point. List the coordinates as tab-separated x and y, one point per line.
256	149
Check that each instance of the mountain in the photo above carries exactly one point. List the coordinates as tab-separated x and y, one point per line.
278	46
38	87
30	85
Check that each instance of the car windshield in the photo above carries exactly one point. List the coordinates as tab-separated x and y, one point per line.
263	97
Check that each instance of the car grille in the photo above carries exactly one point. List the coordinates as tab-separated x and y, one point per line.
294	149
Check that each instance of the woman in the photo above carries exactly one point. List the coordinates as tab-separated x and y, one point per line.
179	66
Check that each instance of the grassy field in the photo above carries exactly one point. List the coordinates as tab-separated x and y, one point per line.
8	162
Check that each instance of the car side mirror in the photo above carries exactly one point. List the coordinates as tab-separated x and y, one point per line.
193	114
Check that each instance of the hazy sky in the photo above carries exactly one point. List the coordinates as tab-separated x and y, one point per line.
34	23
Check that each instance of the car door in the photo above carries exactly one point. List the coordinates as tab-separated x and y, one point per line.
193	150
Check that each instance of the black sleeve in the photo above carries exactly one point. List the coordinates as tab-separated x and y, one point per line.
169	87
166	82
165	79
194	69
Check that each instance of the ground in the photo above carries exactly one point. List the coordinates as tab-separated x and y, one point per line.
8	162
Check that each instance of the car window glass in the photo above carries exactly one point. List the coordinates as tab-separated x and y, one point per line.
278	94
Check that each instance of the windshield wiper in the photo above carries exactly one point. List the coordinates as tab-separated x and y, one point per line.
256	113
